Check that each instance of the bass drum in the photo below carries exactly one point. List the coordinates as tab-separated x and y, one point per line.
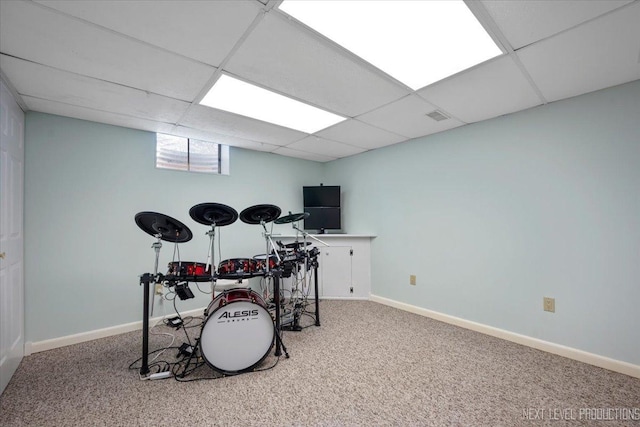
238	333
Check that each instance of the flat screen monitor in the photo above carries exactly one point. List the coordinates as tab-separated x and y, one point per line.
322	219
323	196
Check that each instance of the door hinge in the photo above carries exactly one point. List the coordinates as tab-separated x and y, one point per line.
351	252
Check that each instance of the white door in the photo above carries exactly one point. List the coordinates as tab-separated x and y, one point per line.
11	235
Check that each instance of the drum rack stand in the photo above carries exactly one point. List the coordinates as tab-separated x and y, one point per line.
295	326
315	282
276	299
314	264
145	279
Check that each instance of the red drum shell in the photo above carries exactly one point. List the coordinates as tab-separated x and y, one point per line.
189	268
237	266
261	262
236	294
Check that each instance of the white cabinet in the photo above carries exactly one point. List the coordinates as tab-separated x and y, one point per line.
344	266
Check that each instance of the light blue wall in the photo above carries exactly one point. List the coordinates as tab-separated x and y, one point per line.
494	216
491	217
84	183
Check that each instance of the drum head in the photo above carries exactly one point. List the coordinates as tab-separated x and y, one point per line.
237	336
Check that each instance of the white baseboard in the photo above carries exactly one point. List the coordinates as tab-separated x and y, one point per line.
38	346
560	350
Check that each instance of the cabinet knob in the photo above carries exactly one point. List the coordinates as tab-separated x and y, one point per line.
2	255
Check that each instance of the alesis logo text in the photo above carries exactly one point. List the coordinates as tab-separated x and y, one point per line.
238	314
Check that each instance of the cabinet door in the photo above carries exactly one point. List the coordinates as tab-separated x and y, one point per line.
336	268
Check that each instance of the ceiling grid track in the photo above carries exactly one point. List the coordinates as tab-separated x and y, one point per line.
216	74
492	28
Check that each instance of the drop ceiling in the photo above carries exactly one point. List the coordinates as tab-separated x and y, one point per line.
146	65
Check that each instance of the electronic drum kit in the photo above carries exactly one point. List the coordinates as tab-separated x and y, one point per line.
240	327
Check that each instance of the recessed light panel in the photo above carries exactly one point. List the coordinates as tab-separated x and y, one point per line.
242	98
416	42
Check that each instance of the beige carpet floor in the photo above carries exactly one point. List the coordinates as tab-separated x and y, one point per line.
367	365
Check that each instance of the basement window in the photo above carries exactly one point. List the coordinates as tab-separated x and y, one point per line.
191	155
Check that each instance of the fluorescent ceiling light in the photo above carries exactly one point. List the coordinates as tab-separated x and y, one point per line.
416	42
242	98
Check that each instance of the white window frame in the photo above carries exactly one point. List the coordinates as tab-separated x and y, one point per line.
176	161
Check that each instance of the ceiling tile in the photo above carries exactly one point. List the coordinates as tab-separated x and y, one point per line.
360	134
223	122
407	117
38	81
32	32
525	22
599	54
289	58
221	139
489	90
326	147
203	30
286	151
83	113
